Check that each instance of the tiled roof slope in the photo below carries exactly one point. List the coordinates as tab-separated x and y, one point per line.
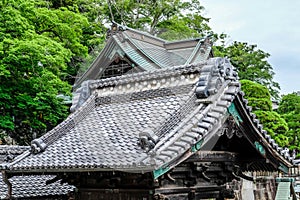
34	187
146	51
8	152
141	122
28	186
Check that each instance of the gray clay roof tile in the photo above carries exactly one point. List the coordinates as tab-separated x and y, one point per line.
114	128
8	152
34	187
29	186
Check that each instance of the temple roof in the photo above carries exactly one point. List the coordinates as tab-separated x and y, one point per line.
150	122
145	52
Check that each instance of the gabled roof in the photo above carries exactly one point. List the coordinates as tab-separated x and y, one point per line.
145	51
28	186
150	122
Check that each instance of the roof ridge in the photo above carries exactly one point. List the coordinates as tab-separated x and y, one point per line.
124	28
143	51
203	116
218	77
204	126
136	95
13	147
87	87
121	27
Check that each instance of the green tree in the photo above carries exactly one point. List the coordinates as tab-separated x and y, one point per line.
289	108
168	19
260	100
94	33
289	103
257	95
36	45
275	125
250	62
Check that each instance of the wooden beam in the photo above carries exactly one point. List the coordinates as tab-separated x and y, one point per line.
213	156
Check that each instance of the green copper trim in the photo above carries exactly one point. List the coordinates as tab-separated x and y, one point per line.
260	148
233	111
283	168
285	179
162	170
157	173
197	146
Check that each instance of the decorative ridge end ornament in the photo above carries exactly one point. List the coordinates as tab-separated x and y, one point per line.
213	75
115	28
81	95
37	146
147	139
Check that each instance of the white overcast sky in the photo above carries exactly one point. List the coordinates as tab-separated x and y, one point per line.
274	25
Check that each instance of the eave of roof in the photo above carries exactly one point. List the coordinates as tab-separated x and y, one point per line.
262	137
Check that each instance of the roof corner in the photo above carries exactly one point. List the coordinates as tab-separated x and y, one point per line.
213	75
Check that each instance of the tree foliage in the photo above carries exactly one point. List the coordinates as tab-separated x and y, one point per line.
275	125
260	100
168	19
290	103
257	95
289	108
251	63
36	47
93	33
